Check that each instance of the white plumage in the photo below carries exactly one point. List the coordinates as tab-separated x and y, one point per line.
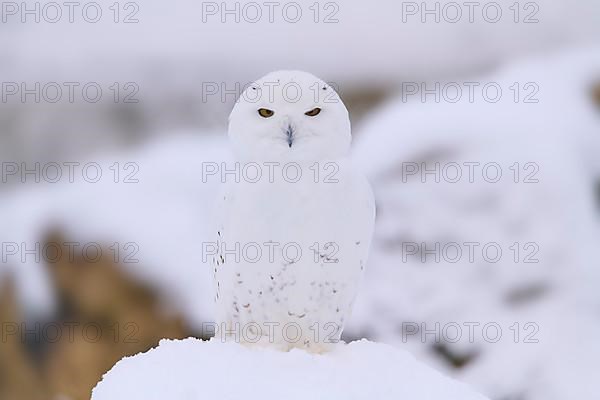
293	244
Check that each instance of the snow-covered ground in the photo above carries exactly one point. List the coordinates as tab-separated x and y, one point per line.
192	369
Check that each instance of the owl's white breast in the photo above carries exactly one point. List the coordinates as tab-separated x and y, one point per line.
318	229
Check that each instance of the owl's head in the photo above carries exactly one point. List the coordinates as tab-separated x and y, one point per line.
290	116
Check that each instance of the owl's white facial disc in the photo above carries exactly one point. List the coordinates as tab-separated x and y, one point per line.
289	116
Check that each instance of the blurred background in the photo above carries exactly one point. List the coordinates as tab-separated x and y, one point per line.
478	125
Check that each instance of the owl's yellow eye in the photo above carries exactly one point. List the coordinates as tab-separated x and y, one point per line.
314	112
265	113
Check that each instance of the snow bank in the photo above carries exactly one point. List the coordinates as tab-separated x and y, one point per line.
192	369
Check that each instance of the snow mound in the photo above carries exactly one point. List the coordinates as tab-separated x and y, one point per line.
193	369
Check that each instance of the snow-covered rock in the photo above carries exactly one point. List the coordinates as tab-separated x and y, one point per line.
163	213
527	301
191	369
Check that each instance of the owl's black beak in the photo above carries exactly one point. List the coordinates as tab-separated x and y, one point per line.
290	135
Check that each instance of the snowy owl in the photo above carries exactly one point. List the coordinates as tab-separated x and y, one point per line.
296	218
